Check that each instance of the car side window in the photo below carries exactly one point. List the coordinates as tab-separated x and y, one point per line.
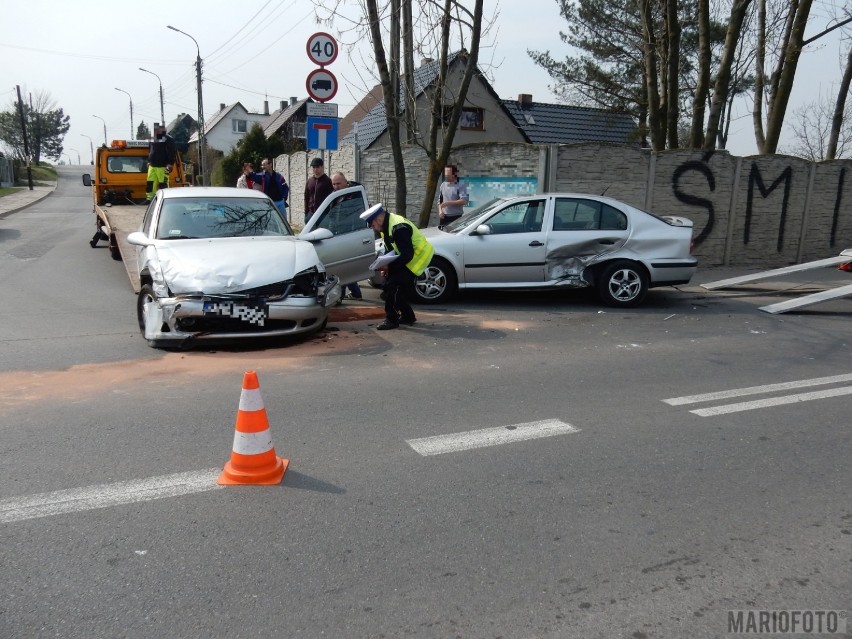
343	216
522	217
612	219
575	215
149	215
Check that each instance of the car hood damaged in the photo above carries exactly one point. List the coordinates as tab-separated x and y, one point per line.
231	265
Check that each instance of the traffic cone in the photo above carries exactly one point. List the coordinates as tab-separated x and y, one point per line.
846	266
253	459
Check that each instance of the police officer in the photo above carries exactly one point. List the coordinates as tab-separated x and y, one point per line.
414	252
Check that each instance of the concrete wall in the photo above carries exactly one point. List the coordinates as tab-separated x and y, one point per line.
759	211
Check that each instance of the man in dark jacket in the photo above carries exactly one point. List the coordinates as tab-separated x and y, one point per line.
162	155
317	188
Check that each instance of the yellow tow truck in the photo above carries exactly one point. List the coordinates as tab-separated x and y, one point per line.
118	194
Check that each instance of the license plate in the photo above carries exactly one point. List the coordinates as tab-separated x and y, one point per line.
257	314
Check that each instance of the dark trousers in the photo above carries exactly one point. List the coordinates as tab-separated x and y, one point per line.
447	220
398	289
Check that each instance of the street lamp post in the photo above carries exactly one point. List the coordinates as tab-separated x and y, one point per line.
78	154
91	146
132	135
104	121
201	143
162	111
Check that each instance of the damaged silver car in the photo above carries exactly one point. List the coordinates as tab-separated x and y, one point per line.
559	240
222	263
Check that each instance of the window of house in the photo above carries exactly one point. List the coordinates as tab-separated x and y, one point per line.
239	126
470	119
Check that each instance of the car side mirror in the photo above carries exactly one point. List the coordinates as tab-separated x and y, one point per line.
138	238
87	179
316	235
482	229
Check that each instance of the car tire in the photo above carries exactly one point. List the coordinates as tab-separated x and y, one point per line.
114	251
622	284
146	294
438	283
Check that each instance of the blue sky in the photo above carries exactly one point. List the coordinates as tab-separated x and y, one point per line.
255	51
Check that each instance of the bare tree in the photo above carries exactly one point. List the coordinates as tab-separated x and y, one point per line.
780	83
395	35
839	109
812	127
723	74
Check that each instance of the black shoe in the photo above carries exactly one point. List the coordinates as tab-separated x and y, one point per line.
356	298
408	322
387	326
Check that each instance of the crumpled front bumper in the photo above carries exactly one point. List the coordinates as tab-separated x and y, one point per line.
186	318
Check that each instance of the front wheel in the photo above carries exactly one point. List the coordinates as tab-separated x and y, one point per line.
146	295
437	283
622	283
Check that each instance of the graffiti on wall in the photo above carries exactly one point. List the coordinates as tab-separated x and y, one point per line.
756	184
755	179
687	198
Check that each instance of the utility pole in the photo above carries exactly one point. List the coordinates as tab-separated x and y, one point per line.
202	146
132	132
162	111
104	121
91	146
24	133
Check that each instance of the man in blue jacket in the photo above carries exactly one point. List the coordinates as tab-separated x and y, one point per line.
273	184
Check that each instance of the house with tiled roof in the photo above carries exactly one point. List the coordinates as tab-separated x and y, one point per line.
486	117
483	118
360	111
288	123
228	126
562	124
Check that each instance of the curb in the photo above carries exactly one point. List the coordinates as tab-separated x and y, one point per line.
4	214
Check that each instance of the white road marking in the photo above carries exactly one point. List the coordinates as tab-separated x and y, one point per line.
776	401
106	495
439	444
757	390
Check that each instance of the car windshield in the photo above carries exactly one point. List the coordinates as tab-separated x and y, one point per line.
183	218
465	220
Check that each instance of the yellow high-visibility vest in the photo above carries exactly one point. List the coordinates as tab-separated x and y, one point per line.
423	251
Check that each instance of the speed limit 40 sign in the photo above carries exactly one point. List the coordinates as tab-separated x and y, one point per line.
322	49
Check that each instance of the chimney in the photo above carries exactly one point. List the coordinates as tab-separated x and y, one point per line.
426	61
283	104
221	106
524	99
293	100
266	107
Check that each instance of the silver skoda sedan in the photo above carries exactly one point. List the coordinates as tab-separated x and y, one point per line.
557	240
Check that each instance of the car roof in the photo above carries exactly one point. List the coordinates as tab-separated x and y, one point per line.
211	192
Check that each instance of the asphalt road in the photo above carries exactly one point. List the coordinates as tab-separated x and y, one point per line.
645	518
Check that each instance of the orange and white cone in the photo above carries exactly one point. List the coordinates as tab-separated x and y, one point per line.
253	459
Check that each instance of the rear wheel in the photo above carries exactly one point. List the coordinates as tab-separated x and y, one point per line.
437	283
114	251
622	283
